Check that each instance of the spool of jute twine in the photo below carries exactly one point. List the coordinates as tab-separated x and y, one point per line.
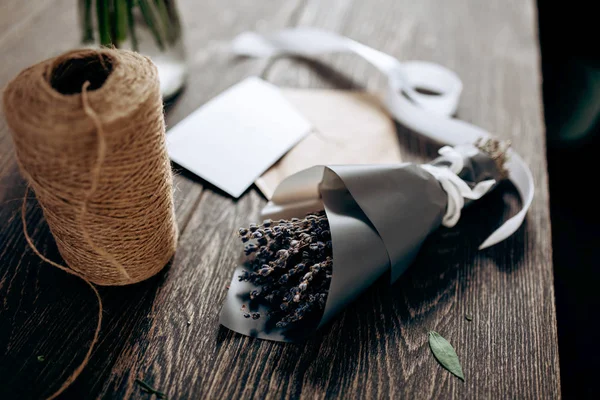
89	134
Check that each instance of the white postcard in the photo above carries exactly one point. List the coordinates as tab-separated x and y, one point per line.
231	140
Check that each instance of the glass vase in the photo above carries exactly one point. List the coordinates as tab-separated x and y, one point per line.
150	27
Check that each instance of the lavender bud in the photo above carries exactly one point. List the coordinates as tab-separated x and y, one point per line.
250	248
244	276
279	267
283	253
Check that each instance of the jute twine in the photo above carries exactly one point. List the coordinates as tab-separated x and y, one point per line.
89	134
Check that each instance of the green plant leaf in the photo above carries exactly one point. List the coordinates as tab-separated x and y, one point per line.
445	354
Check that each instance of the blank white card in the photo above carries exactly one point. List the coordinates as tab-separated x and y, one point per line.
231	140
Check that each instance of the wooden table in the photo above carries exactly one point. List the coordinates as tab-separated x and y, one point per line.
378	347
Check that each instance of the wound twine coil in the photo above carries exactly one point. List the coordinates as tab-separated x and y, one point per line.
96	160
89	135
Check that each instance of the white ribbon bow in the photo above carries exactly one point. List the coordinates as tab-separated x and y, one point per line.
430	116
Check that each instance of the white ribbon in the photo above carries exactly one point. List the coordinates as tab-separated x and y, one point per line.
428	115
454	186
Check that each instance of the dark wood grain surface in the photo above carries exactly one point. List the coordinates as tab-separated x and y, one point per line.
165	330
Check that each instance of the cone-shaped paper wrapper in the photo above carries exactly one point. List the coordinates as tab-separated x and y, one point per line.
379	216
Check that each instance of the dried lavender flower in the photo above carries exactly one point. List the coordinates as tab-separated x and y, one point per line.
497	150
290	263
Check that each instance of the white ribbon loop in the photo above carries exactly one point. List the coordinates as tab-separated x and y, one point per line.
454	186
425	114
311	42
456	159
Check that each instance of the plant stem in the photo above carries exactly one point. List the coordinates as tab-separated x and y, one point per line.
103	15
120	7
149	389
174	17
163	14
150	13
116	22
85	9
131	25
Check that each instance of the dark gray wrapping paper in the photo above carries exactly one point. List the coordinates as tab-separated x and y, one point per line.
379	216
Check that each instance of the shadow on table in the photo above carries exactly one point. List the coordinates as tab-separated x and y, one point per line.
48	317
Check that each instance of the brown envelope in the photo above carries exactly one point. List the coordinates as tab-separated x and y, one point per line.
350	127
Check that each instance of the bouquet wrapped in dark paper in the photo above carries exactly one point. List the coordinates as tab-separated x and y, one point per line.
331	231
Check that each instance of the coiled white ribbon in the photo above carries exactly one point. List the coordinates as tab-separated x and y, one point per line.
454	186
428	115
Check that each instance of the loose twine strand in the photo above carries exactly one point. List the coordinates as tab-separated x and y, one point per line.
88	354
128	202
94	185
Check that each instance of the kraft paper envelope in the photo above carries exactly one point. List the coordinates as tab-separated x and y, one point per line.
349	127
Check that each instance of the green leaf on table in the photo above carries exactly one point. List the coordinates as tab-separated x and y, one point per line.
445	354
